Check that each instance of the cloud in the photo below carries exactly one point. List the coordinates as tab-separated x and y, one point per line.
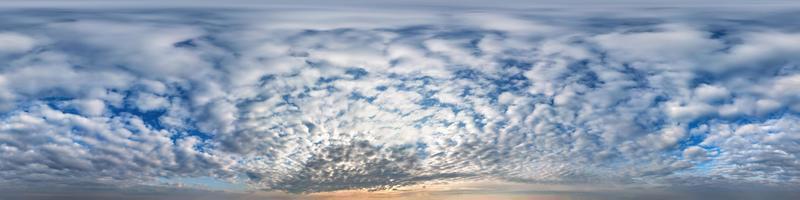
304	100
16	43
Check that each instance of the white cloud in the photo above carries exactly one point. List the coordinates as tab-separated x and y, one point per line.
377	100
15	43
710	93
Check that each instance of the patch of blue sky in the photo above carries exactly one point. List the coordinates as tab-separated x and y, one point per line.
63	106
422	150
422	122
327	80
515	63
150	118
751	119
428	102
359	96
189	43
692	140
356	72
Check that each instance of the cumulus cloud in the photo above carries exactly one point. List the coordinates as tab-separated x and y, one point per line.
323	100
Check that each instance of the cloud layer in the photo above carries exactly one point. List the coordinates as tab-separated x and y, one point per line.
312	100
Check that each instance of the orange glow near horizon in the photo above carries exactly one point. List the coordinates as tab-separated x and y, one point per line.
464	190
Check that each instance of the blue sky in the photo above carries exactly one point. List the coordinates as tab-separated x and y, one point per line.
294	99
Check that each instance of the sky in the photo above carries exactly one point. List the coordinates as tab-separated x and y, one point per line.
399	100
